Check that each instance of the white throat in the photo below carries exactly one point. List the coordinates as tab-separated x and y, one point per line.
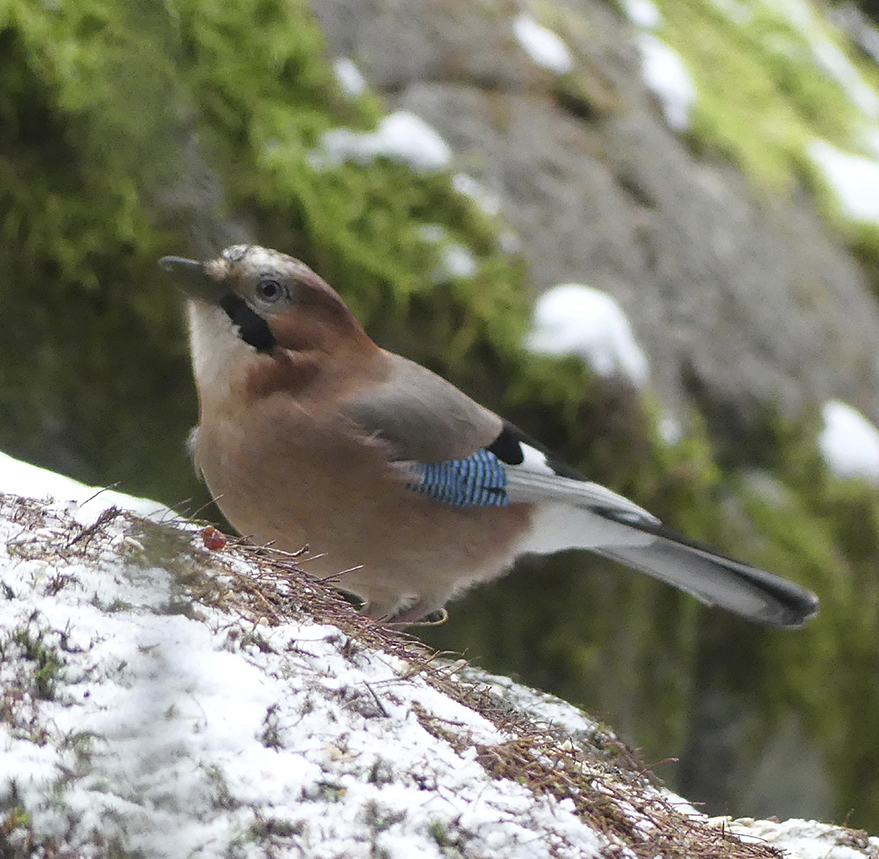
220	357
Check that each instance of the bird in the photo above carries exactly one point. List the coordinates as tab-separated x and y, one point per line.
399	483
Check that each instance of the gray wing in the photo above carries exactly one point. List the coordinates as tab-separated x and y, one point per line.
422	416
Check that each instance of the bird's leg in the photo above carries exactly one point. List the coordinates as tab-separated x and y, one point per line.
418	614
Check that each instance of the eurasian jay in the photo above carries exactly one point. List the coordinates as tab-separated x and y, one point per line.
312	434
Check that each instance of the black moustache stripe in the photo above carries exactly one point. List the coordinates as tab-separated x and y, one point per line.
252	328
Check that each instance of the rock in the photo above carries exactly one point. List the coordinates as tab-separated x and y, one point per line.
740	294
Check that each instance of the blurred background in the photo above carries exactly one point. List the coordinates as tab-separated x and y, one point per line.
705	171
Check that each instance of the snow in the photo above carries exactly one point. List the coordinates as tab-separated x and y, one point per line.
174	726
572	319
349	77
401	136
456	260
459	262
849	443
539	705
803	839
173	734
667	76
85	502
643	13
544	47
489	203
853	178
670	429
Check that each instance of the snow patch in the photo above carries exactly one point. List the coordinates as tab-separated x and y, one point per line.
803	839
670	429
456	261
349	77
85	503
487	201
667	77
643	13
853	178
572	319
544	47
849	443
401	137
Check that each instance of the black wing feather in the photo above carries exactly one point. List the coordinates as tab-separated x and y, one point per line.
507	447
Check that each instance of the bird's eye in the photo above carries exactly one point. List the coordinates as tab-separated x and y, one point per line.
269	290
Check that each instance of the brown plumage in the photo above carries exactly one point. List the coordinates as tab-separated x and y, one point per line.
311	433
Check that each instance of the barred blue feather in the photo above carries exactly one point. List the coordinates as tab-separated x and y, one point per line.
478	481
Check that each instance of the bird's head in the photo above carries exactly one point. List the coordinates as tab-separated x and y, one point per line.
259	314
270	298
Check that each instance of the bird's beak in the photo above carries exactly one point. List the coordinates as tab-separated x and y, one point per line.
192	278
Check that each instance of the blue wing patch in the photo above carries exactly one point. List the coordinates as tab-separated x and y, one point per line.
478	481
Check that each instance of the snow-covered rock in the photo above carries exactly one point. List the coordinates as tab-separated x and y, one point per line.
544	47
849	442
667	76
573	319
401	136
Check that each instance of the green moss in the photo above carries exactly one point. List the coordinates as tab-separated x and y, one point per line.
272	828
16	818
107	111
438	833
16	837
863	239
47	663
762	93
251	638
76	246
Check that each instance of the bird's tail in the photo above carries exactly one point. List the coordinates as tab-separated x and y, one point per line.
717	580
577	514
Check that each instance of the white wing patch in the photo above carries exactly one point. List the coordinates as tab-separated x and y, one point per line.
534	460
